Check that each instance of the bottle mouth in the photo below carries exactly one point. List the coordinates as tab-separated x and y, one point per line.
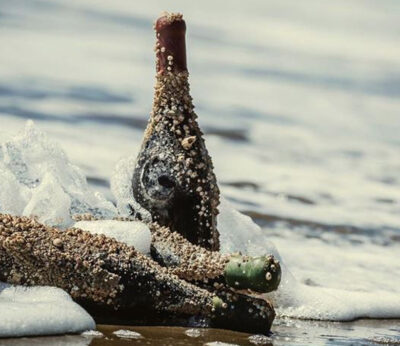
171	46
166	181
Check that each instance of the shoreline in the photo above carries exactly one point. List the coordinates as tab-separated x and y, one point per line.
286	331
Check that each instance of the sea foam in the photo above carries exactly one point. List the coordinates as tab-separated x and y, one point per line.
36	178
40	311
133	233
326	300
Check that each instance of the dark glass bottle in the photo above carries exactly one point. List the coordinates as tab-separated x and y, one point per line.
173	177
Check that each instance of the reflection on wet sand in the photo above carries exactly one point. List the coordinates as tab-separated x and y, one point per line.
286	332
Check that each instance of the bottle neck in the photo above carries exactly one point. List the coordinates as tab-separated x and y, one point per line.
172	95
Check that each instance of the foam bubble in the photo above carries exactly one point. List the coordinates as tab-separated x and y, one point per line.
40	311
127	334
49	202
40	175
239	233
134	233
193	332
370	298
121	186
92	334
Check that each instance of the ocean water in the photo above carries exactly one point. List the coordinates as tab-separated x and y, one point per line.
299	102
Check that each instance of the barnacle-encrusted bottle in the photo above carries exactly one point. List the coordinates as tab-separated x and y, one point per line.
173	177
99	272
195	264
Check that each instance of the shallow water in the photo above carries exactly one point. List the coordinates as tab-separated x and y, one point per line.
299	104
287	332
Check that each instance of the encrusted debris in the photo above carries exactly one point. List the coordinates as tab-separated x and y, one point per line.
91	267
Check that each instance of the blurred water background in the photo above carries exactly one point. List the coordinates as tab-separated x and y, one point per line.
299	102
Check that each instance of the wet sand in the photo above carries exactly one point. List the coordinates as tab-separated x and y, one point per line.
285	332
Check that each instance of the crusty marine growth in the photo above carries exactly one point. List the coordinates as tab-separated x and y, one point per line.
92	268
195	264
173	177
100	272
222	274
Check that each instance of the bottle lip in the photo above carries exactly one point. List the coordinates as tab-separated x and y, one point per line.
171	46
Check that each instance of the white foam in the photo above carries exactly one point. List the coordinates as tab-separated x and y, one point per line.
127	334
354	283
239	233
40	175
49	202
40	311
13	195
259	339
294	299
193	332
135	233
121	186
92	334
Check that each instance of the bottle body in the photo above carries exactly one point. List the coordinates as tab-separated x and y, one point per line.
173	177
